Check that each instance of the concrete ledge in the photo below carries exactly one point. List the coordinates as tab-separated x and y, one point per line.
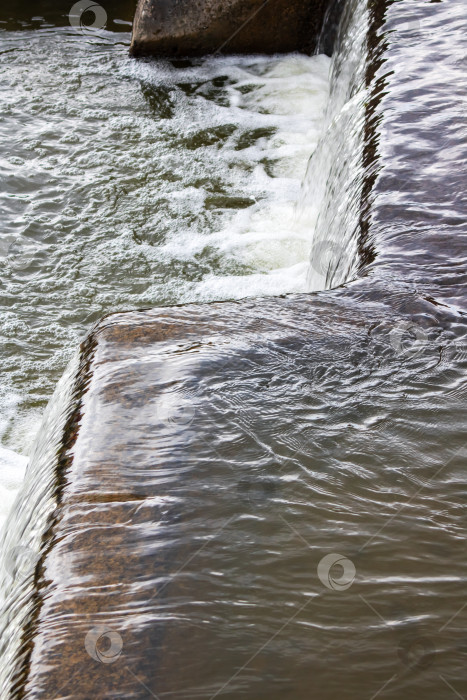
139	465
166	430
174	463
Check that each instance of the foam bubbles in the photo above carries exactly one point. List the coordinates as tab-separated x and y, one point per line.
12	470
275	108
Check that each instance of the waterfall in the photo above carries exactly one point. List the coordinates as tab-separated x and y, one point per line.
21	538
334	176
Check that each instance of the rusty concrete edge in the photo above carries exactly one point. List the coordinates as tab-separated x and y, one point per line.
376	46
82	381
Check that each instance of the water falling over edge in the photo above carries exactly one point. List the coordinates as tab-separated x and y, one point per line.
334	176
21	541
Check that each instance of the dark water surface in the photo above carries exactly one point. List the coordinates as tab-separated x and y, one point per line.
266	498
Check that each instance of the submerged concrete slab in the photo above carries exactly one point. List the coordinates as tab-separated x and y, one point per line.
184	443
201	438
188	28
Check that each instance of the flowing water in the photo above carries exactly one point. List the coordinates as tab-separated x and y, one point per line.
301	533
334	182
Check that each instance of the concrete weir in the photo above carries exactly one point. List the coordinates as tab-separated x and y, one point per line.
187	28
189	429
162	392
158	485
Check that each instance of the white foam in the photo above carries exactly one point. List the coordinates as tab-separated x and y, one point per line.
21	429
12	471
288	95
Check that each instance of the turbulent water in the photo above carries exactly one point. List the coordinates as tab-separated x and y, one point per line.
285	516
135	184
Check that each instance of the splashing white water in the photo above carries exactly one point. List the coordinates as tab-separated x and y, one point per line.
280	103
12	470
13	459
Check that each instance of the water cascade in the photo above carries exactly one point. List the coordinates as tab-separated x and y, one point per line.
274	483
334	178
21	540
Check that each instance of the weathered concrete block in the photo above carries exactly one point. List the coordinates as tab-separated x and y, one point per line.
197	27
